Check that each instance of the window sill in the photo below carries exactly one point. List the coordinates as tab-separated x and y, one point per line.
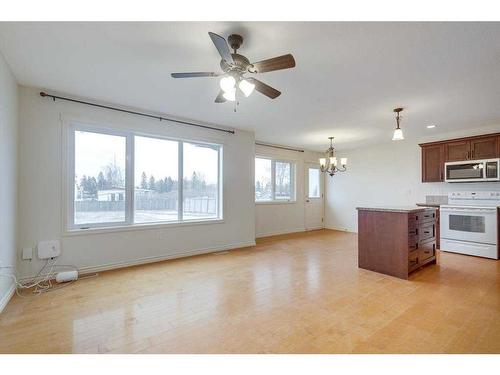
134	227
274	202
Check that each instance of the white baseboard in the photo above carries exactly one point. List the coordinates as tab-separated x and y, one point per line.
7	296
153	259
341	229
277	233
288	231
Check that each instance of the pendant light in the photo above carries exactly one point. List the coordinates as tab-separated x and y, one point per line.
398	133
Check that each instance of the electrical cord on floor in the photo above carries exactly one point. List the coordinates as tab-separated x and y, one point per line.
42	282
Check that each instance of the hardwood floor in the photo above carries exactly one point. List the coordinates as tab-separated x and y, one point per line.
299	293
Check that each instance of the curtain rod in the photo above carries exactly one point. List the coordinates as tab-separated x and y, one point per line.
281	147
54	97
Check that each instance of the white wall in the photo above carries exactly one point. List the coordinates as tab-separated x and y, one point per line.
280	218
8	179
387	174
40	191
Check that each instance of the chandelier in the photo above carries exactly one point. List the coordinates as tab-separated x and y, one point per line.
329	164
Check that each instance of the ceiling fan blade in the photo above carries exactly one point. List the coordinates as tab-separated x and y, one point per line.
194	74
220	98
222	47
264	89
276	63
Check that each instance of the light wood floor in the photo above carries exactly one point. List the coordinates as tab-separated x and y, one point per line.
300	293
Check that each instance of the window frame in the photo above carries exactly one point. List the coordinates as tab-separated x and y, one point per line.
293	181
69	225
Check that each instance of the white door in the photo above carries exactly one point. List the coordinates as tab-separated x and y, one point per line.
313	196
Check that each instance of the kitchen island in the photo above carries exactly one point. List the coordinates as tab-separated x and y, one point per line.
396	240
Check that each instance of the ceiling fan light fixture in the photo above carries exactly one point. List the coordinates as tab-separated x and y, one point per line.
246	87
227	84
230	95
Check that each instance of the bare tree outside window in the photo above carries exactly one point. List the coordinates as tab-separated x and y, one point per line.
282	181
274	180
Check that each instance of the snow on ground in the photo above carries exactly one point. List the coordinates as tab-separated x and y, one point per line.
94	217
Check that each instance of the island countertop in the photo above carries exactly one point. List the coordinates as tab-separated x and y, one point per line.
435	205
403	209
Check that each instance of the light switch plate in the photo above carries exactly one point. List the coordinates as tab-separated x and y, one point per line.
49	249
27	253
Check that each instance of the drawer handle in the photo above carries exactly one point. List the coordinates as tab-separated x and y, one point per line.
414	261
426	232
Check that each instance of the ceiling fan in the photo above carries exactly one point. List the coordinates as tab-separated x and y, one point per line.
235	66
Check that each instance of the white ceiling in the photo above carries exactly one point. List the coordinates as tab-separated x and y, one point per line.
348	78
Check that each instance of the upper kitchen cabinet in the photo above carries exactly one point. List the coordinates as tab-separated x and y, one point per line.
472	148
484	148
435	154
432	163
457	151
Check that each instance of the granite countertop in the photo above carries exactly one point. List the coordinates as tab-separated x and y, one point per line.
435	205
403	209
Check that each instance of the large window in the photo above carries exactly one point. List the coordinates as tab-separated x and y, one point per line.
156	190
123	179
201	181
99	178
274	180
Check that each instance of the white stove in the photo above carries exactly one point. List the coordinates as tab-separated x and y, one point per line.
469	223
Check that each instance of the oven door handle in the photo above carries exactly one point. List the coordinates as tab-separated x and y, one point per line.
470	210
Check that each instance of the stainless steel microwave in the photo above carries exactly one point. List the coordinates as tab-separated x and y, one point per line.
472	170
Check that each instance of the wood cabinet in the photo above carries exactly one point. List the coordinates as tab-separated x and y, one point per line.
457	151
432	163
484	148
435	154
438	220
396	242
473	149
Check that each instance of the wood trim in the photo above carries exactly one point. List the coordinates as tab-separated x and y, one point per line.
459	139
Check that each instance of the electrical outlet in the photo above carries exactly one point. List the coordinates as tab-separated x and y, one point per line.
27	253
49	249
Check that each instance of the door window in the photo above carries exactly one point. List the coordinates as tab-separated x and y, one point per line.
314	183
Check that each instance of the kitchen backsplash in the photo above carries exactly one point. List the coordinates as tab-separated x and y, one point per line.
436	199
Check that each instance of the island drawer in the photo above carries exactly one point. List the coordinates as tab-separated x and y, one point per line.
427	215
426	231
427	250
412	242
413	259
